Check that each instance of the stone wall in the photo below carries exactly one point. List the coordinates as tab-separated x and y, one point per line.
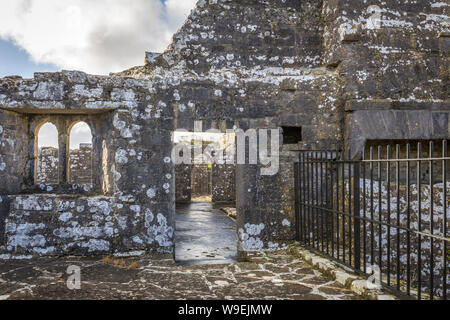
81	165
201	180
266	206
14	144
223	180
314	64
183	183
131	162
395	212
394	78
48	166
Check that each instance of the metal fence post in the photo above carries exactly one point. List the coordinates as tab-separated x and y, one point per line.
357	216
297	201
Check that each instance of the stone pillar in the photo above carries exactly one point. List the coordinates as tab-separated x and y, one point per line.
63	152
266	206
223	181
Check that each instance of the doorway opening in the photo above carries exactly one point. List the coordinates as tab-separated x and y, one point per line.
207	174
205	233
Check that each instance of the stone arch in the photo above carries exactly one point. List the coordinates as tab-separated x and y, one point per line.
46	154
79	153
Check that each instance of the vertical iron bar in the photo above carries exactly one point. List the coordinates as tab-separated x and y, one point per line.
431	222
297	200
444	180
308	165
364	211
357	214
321	202
313	203
408	219
327	216
343	207
350	226
380	214
388	173
332	205
337	211
419	226
316	215
305	198
302	196
397	180
372	229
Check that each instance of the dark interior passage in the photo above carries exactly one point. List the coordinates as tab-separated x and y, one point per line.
204	235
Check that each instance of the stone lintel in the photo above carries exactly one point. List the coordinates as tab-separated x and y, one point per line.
52	111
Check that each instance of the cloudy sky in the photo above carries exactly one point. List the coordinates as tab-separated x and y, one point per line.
97	37
48	135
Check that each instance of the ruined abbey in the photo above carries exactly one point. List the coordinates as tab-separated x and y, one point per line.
327	74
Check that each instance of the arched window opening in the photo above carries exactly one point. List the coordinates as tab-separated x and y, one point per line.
47	155
80	154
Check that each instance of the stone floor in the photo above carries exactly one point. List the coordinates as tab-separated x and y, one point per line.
271	277
205	268
204	235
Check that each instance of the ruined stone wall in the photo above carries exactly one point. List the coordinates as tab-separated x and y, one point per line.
14	143
266	206
248	64
242	64
81	165
183	183
249	34
393	76
254	64
201	180
47	166
223	180
13	160
132	160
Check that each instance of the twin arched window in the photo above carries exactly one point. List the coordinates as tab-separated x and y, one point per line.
79	155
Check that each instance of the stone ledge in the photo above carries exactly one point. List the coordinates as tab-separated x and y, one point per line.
372	105
341	274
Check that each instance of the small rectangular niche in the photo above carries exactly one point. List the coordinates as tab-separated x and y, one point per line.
292	135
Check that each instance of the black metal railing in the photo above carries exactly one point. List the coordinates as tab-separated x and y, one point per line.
384	215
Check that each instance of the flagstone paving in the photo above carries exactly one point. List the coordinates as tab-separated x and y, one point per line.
276	276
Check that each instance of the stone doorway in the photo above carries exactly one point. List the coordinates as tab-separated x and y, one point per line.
205	233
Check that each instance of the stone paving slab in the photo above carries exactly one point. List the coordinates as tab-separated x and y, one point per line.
143	278
204	235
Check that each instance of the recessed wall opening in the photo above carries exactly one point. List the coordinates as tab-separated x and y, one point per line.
292	135
47	154
205	193
80	154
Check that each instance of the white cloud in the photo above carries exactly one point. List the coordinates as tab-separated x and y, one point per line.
80	133
48	136
98	36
